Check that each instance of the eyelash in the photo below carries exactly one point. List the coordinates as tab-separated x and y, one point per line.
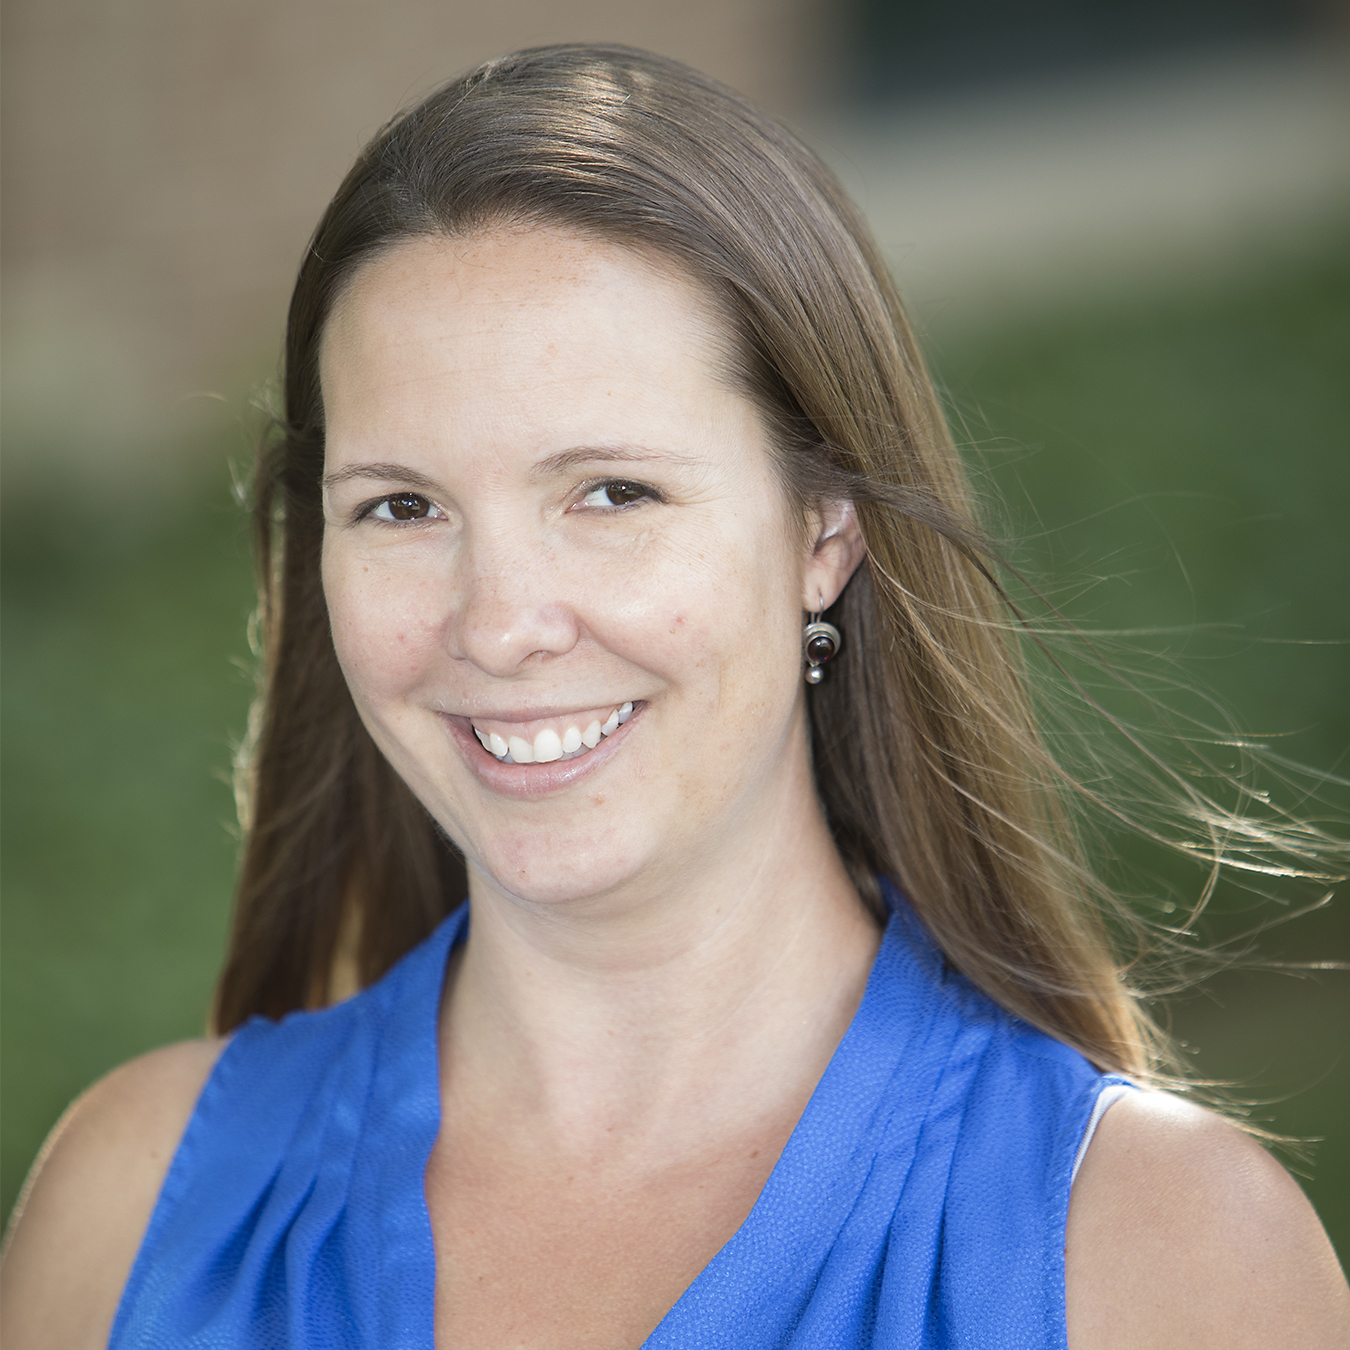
646	493
370	509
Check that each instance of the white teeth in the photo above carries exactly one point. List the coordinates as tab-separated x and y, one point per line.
547	747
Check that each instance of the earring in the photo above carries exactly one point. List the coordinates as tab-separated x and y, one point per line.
821	641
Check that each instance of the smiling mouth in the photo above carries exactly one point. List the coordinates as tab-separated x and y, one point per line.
564	739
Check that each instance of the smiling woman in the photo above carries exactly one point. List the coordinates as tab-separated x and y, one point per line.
593	629
782	1010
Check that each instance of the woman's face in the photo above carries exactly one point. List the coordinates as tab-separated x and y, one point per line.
553	529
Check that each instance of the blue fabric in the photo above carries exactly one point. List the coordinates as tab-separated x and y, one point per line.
920	1202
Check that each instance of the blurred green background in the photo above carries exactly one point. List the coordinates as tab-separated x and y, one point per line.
1122	226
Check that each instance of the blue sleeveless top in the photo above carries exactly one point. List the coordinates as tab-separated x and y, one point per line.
919	1203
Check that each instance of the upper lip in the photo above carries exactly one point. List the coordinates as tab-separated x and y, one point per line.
542	714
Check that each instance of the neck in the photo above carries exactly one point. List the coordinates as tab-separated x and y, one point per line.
613	1014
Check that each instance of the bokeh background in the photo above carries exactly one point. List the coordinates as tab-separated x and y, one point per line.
1122	228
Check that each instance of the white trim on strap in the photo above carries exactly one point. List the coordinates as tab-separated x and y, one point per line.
1106	1098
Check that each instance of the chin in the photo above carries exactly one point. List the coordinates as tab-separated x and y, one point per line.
542	880
557	874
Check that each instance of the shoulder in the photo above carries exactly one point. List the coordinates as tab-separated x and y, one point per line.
84	1210
1184	1232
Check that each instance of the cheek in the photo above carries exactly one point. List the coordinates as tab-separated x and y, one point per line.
718	615
761	636
386	630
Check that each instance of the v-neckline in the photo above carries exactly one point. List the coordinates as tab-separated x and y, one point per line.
821	1169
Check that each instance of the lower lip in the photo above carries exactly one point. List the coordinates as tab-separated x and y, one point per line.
534	780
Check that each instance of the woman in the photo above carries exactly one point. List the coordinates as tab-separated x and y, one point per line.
786	1015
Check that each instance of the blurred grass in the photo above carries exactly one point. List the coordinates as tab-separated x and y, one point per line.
1180	464
1191	451
124	634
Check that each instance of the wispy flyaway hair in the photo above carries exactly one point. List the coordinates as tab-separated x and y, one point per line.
926	750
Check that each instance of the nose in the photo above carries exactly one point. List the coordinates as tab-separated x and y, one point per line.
511	613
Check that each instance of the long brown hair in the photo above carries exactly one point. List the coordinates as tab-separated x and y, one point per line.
927	755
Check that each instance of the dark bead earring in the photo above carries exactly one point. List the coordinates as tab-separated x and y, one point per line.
820	641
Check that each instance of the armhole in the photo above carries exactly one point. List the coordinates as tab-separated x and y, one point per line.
171	1188
1112	1091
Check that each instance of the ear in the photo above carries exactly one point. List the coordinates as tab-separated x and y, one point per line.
837	550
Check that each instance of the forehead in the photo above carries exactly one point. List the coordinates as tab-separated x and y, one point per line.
507	287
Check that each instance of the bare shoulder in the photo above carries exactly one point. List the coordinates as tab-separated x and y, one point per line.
1185	1232
84	1210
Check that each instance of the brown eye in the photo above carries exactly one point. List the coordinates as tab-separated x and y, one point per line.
405	506
616	493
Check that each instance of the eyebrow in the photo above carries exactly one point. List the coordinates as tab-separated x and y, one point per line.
382	473
603	454
545	468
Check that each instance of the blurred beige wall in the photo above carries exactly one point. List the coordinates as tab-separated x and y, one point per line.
166	161
164	165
